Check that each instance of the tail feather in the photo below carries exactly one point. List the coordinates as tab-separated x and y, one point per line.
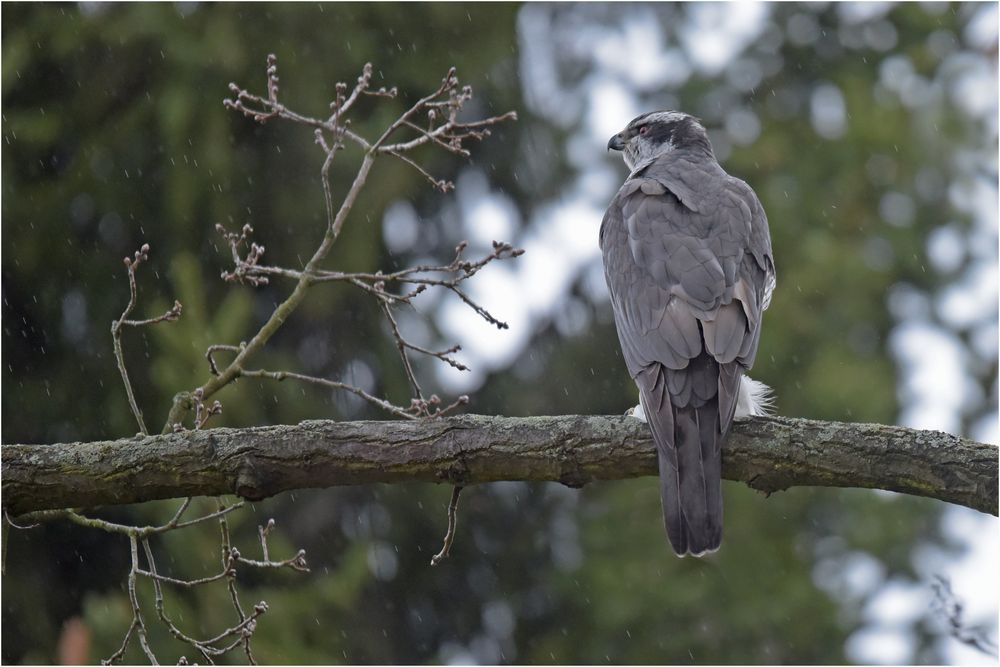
711	456
659	416
691	471
689	446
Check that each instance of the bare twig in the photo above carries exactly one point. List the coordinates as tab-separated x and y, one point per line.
202	412
463	270
244	271
401	346
138	626
296	562
183	583
140	532
449	537
440	184
158	603
429	407
246	624
271	108
213	369
443	355
141	255
175	520
110	660
447	84
482	312
262	533
10	522
229	554
332	384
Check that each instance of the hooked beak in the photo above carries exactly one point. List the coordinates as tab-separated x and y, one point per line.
616	143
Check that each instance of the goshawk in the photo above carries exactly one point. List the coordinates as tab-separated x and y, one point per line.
687	258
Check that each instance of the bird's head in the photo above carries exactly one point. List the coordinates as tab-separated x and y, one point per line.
658	132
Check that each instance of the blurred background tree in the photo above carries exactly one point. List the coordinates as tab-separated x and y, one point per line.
869	132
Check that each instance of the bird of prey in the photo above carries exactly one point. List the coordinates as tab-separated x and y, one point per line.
687	259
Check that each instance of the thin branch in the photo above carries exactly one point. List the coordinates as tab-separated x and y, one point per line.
140	532
271	108
442	132
401	346
430	407
245	268
177	515
110	660
331	384
138	626
246	625
449	536
213	369
158	604
447	83
442	355
464	269
131	265
116	328
229	555
262	533
203	413
374	283
296	562
440	184
10	522
169	316
482	312
183	583
435	136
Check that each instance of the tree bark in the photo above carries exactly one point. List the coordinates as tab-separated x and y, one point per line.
768	454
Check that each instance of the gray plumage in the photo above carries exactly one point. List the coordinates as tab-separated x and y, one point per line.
687	258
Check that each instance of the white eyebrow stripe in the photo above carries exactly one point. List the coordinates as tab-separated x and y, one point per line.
659	116
667	116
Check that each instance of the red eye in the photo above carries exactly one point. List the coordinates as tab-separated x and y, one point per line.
643	130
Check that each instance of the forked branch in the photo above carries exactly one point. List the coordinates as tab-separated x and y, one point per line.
442	108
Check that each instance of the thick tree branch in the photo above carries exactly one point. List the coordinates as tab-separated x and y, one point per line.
769	454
